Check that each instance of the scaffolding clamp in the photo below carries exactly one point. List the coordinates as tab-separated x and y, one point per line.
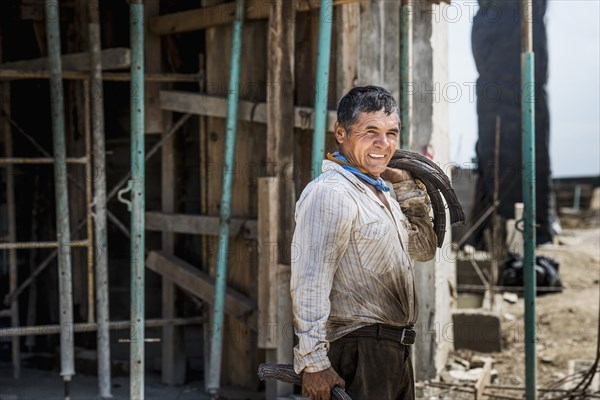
122	192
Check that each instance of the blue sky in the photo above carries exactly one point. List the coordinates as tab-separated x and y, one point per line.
573	87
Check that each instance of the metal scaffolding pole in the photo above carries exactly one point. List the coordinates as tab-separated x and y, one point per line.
322	85
91	304
216	344
406	72
136	186
96	94
528	171
61	189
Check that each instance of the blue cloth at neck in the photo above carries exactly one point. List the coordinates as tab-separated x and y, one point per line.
379	184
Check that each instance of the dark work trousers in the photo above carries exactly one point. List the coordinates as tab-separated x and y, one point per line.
373	369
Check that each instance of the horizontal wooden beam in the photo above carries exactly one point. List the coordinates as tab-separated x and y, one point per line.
199	283
213	106
199	224
220	14
117	58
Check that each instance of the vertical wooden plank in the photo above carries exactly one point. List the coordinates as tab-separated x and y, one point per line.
173	344
346	34
277	218
307	29
153	64
280	117
268	224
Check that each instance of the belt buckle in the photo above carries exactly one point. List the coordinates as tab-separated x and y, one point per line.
406	340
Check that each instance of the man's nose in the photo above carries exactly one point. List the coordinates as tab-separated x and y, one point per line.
382	140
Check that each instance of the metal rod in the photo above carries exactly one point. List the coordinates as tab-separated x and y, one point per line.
136	183
5	161
406	73
322	85
10	74
495	250
13	273
91	327
88	200
100	220
216	344
528	163
61	190
43	245
485	288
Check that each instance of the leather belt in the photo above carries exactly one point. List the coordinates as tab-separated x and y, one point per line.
404	335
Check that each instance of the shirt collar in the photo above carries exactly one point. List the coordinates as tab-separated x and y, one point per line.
356	181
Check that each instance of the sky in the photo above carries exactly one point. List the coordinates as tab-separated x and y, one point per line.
573	28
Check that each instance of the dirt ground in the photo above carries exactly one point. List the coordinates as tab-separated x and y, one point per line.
567	321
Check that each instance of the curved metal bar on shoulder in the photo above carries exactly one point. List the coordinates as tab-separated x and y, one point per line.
438	185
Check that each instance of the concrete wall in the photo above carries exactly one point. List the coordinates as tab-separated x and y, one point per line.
430	135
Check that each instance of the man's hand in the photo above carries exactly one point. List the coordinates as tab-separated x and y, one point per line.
318	385
396	175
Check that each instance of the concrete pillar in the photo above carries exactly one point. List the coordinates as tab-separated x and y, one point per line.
430	136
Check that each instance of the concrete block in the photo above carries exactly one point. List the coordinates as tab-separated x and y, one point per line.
477	330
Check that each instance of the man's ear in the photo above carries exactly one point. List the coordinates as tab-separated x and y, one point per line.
340	133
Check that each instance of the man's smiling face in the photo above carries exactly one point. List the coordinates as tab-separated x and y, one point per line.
371	142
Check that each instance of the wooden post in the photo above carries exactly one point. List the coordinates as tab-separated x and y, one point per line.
483	381
156	121
276	214
268	224
280	118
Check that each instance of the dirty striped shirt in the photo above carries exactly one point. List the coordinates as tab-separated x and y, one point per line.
350	263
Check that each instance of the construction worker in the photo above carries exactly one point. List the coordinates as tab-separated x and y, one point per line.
352	284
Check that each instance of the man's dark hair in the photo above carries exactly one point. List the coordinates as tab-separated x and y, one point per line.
364	99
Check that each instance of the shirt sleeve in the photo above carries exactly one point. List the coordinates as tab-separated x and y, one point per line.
415	204
323	228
